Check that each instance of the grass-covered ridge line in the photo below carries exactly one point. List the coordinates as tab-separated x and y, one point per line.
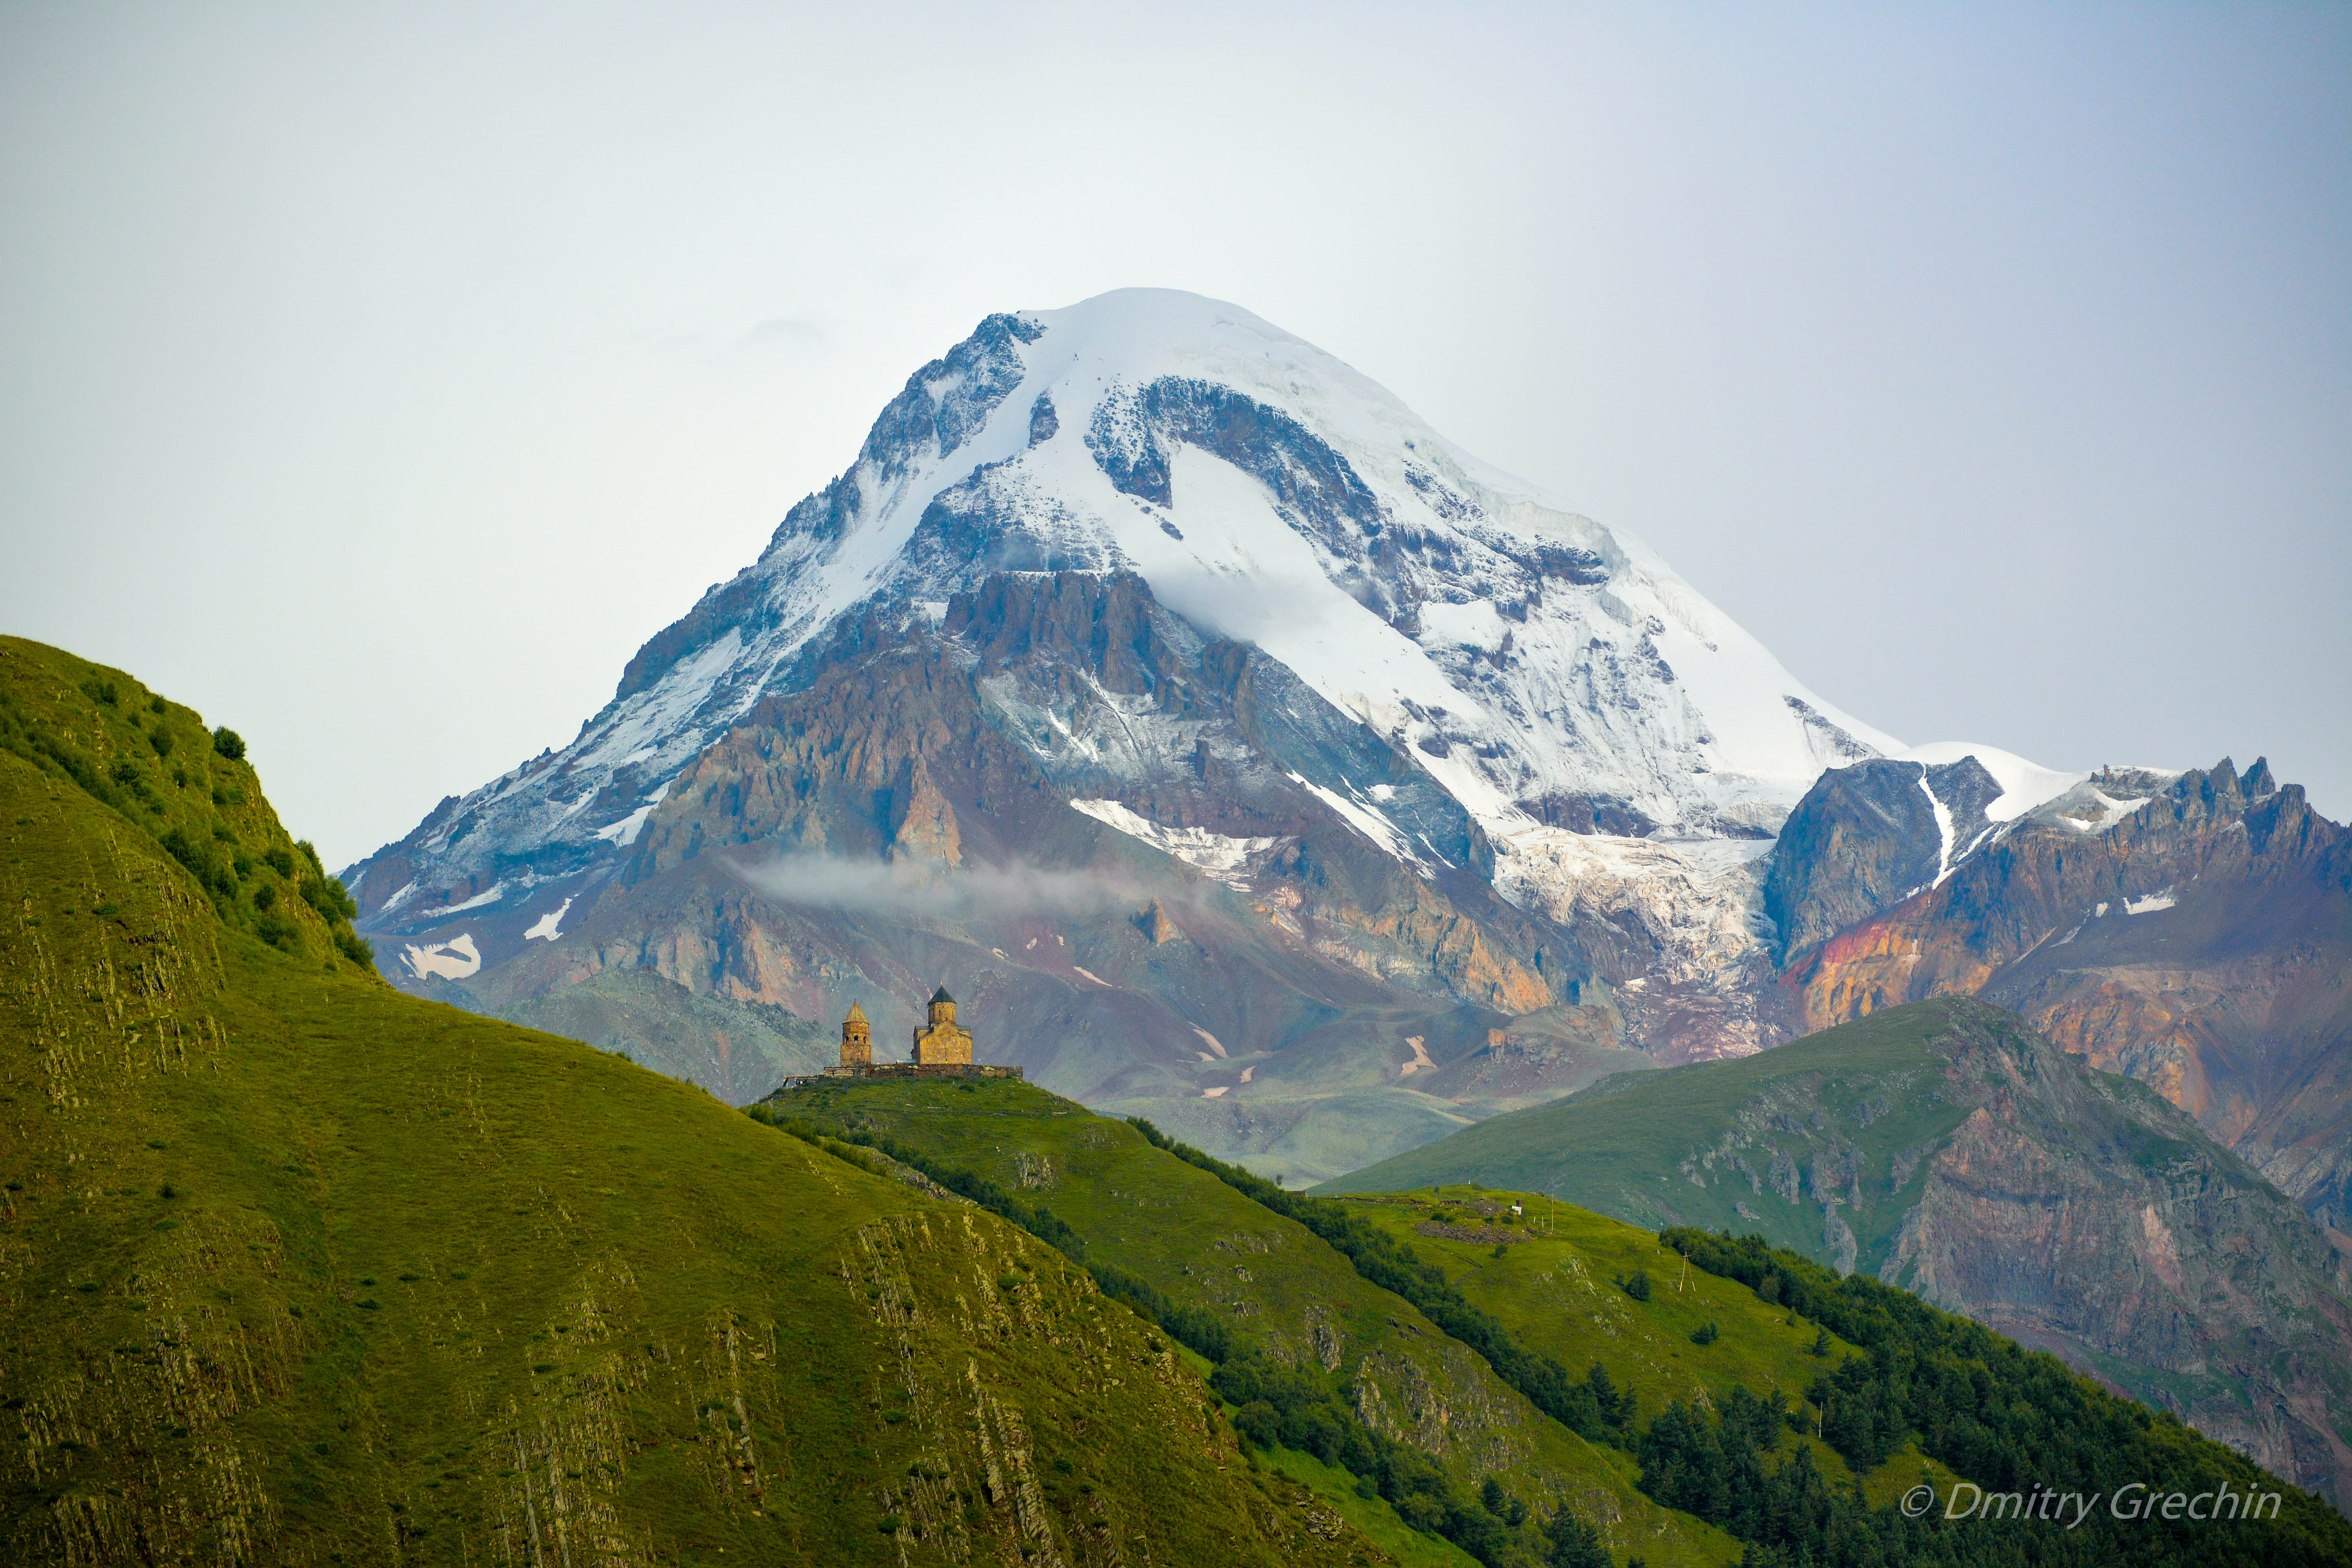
294	1269
152	763
1276	1406
1316	1349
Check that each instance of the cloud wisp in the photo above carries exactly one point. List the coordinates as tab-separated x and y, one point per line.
914	891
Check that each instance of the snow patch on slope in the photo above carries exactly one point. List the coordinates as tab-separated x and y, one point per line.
1365	818
549	926
624	832
1219	856
2111	811
1942	830
452	960
2024	785
479	901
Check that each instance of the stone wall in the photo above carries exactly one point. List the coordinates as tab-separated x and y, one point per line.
907	1070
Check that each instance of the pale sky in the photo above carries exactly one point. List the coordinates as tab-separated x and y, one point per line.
378	378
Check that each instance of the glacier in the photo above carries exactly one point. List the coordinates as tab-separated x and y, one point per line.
1548	672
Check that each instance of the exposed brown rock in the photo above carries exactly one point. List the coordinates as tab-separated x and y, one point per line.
1156	923
2230	989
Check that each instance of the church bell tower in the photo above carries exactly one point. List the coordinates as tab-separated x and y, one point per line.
857	1040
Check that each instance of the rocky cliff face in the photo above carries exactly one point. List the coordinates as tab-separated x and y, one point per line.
2194	932
1867	837
2080	1214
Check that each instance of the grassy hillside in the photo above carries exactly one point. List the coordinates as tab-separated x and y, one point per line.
1622	1146
736	1049
1550	1275
187	788
297	1270
1766	1394
1284	1292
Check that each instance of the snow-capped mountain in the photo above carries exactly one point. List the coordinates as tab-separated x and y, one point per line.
1546	671
1354	767
1244	755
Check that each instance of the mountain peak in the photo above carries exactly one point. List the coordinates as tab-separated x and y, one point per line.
1539	666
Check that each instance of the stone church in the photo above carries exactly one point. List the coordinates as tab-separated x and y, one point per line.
942	1048
944	1042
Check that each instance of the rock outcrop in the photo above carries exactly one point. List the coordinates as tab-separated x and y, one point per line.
1868	835
2194	933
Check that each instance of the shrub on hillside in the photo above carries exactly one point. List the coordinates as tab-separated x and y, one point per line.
328	896
202	862
1500	1503
1575	1543
230	743
1259	1424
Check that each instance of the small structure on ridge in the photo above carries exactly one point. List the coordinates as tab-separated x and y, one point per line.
857	1040
942	1048
945	1042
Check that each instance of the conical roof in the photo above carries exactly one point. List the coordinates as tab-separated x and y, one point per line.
941	995
857	1015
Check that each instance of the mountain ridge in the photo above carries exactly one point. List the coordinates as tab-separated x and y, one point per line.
1943	1147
